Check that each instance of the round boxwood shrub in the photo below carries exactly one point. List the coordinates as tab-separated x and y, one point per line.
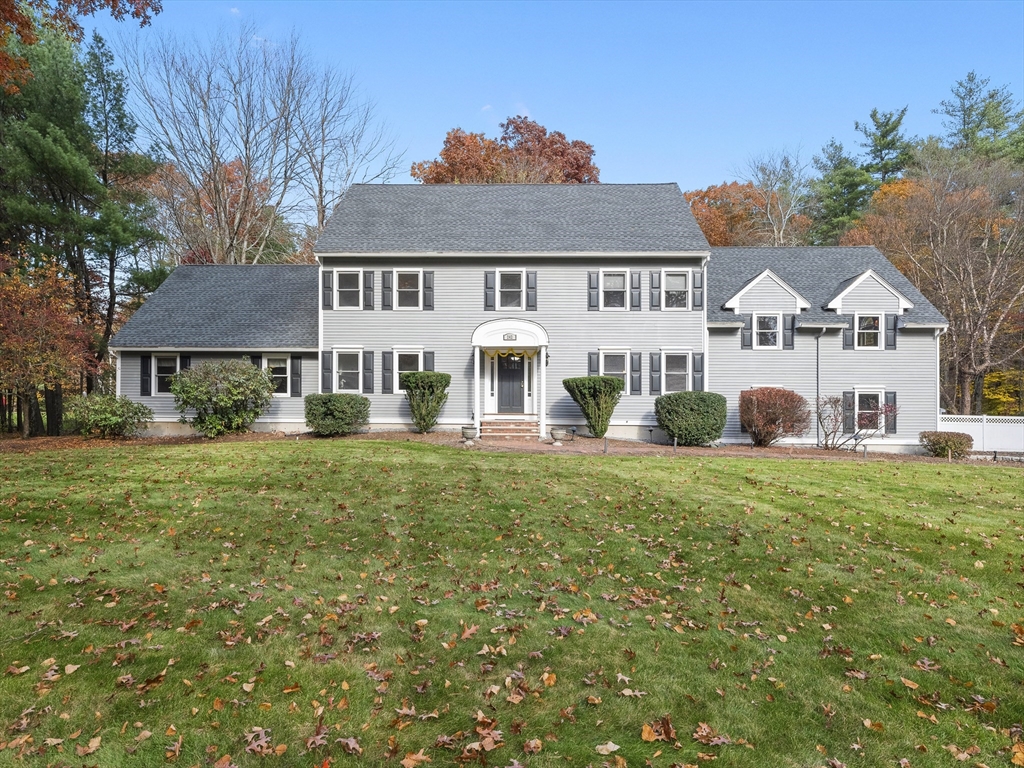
597	397
105	416
956	445
340	414
692	418
426	393
225	395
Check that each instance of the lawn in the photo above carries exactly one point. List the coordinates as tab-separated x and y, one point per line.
321	603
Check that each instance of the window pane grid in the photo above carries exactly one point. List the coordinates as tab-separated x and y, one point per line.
868	331
677	290
614	290
677	373
868	405
348	289
510	288
278	367
165	368
768	331
409	290
348	371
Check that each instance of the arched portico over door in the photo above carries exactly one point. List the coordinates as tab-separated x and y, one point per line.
509	377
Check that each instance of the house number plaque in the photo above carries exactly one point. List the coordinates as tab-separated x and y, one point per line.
509	337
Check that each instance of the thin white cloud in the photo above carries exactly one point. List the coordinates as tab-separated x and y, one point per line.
235	12
486	107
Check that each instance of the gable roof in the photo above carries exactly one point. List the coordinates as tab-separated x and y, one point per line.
247	307
511	218
836	301
734	302
816	273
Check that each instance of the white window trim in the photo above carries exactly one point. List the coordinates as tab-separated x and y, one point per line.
359	303
625	366
153	376
394	290
778	330
664	370
881	330
689	290
857	392
287	372
396	351
625	290
358	352
522	290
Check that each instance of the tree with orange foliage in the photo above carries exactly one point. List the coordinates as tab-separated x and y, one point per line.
955	227
526	153
42	344
724	213
18	20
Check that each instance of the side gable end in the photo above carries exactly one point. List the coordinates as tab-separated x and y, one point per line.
767	283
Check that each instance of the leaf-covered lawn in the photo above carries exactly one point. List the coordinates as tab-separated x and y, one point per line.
362	603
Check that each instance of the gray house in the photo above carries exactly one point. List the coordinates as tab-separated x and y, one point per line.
512	288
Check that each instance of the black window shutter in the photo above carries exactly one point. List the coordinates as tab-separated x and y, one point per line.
296	376
890	332
848	336
594	364
747	334
531	291
698	372
655	372
489	280
367	373
788	326
387	376
634	291
698	290
890	419
593	291
635	372
256	358
326	376
428	361
145	375
328	298
428	290
368	289
655	291
385	288
849	413
184	362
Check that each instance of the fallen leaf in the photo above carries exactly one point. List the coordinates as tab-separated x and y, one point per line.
533	746
69	668
910	684
607	748
413	759
94	744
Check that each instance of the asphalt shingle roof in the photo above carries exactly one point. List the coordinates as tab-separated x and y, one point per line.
252	307
817	274
510	218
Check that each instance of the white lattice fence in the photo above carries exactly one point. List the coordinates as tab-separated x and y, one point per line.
990	433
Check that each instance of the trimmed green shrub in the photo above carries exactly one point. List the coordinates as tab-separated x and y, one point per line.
943	444
597	397
692	418
341	414
225	395
426	392
104	416
772	413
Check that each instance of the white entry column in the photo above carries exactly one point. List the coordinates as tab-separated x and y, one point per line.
476	388
542	395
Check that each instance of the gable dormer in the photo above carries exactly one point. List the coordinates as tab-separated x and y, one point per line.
767	293
868	293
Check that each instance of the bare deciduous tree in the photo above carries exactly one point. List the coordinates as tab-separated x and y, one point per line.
782	192
260	142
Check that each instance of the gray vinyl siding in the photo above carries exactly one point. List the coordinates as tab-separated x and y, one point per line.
870	297
572	329
282	409
907	370
767	296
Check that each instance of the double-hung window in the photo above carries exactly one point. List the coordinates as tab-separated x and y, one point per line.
613	290
869	332
165	368
676	372
613	363
350	289
676	289
407	361
408	289
767	331
510	290
869	405
278	367
349	371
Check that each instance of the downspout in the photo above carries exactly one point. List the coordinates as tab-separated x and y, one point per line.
817	386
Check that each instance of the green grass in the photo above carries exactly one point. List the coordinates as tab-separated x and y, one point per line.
205	590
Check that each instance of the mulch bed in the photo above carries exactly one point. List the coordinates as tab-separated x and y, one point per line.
579	446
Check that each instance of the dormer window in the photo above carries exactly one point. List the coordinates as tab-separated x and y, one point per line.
869	331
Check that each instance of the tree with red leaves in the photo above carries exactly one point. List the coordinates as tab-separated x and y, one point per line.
526	153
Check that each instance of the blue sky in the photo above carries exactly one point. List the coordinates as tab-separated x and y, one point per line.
665	91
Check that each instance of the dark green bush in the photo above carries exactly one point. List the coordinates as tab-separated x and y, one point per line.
341	414
943	444
427	392
692	418
225	395
597	397
104	416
